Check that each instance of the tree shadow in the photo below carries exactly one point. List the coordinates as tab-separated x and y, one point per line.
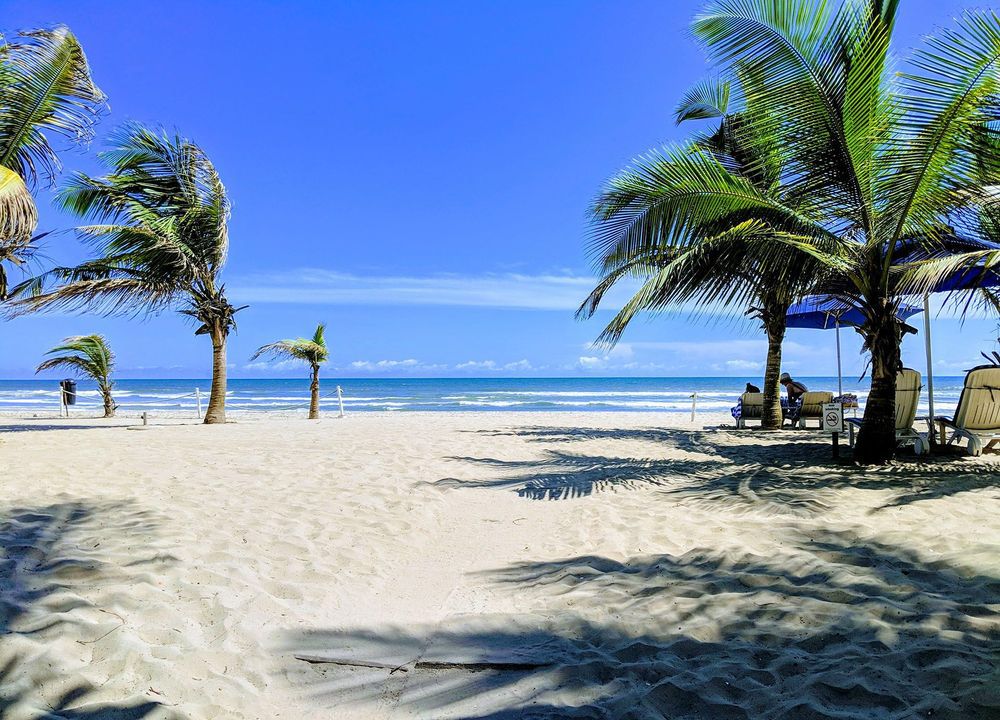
29	427
48	555
562	476
834	627
785	472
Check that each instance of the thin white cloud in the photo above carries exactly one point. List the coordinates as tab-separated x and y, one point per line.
270	365
385	364
519	366
553	291
477	365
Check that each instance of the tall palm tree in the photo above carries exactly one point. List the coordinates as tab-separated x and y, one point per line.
713	262
45	90
886	162
160	232
310	350
90	356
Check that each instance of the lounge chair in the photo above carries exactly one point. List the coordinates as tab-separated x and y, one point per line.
811	406
977	417
749	407
907	396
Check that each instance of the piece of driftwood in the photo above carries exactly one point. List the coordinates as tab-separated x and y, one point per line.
479	666
318	659
510	666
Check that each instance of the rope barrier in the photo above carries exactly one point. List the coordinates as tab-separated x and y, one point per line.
99	404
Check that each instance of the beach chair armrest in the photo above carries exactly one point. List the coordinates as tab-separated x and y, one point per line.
853	421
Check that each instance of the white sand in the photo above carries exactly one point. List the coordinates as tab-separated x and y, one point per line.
586	565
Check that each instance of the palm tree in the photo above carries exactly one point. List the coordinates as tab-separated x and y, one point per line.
161	237
88	355
710	263
887	163
310	350
45	89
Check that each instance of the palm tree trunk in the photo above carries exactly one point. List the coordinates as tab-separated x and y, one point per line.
771	417
216	412
109	402
877	439
314	397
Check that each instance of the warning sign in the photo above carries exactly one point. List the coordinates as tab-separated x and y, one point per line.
833	417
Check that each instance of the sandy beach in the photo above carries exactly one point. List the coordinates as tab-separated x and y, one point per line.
489	565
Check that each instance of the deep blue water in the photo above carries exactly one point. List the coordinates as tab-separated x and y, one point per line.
450	394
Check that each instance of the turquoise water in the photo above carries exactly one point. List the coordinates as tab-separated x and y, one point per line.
714	394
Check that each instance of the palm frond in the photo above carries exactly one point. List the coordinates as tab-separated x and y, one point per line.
46	87
946	102
707	99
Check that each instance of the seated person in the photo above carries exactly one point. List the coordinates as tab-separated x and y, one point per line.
794	388
752	388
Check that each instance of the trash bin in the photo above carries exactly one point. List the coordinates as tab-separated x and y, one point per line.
68	391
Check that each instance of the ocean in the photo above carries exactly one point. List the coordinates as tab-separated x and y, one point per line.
714	394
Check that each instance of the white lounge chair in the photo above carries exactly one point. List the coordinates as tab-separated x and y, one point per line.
908	388
977	417
811	406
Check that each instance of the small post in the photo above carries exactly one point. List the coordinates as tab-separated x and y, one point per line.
836	445
63	410
340	400
145	418
197	395
694	404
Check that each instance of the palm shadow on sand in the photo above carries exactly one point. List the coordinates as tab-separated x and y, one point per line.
837	627
46	552
788	471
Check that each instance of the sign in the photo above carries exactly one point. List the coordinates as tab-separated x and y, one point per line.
833	417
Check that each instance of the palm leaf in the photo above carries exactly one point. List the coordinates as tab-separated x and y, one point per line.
45	87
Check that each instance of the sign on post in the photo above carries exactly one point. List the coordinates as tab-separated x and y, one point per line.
833	417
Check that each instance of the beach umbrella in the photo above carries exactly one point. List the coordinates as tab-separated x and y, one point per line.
823	313
968	279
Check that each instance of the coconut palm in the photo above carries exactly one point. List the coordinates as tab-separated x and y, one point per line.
309	350
161	237
891	166
45	90
89	356
708	264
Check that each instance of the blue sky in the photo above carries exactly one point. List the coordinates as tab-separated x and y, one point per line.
415	174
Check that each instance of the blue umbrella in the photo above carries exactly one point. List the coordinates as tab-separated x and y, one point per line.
823	313
969	279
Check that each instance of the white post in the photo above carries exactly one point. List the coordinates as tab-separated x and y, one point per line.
340	400
840	373
145	418
63	410
930	364
197	395
694	404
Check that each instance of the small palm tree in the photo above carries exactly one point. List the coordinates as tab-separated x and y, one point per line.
45	88
162	240
312	351
89	356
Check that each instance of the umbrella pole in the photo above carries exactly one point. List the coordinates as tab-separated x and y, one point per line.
840	374
930	364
